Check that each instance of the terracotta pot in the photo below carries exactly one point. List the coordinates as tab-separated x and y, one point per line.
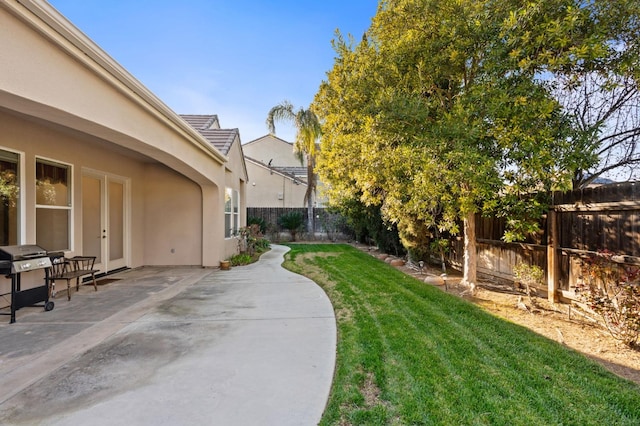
225	265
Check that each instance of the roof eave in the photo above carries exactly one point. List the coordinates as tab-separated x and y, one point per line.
94	58
275	171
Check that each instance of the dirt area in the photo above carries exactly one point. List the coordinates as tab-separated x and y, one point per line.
555	321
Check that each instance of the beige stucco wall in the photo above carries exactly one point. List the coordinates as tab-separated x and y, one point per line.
160	198
65	99
173	223
165	208
38	140
34	140
272	189
47	82
271	148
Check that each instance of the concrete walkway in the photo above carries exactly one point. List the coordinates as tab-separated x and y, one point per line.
174	346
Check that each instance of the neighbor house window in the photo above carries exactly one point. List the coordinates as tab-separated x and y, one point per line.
231	212
9	191
53	205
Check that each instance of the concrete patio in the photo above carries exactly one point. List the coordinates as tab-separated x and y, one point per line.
174	346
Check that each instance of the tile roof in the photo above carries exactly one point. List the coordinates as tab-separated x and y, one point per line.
209	127
202	122
222	139
296	171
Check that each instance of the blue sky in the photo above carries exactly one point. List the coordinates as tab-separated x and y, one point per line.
233	58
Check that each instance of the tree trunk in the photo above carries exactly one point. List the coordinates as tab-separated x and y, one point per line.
470	258
310	219
552	256
309	195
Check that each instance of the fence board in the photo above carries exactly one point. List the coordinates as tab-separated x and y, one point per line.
325	223
588	221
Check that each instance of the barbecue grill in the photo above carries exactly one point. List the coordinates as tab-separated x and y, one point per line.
15	260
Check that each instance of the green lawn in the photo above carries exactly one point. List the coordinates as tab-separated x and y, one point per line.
410	354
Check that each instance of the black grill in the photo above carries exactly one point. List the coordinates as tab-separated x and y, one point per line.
23	258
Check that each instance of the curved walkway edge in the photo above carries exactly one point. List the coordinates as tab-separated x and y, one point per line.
255	345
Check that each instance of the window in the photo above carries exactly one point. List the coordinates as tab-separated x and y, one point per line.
231	212
9	192
53	205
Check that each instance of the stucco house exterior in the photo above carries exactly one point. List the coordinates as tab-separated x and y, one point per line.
275	152
96	164
272	187
277	179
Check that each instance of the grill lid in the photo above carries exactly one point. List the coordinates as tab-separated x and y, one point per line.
21	252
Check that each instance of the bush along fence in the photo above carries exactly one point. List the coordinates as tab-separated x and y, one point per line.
327	225
580	225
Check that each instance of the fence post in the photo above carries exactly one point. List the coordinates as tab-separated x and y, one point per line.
552	256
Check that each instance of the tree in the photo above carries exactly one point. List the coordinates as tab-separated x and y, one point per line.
606	115
308	130
368	226
591	62
442	111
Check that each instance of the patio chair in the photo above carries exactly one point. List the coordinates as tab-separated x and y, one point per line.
72	268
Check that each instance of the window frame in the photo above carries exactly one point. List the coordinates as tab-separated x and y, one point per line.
232	212
70	199
20	232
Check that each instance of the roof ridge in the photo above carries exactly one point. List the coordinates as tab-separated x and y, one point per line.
211	120
222	138
204	121
278	170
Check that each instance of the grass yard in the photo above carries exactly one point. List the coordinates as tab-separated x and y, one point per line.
410	354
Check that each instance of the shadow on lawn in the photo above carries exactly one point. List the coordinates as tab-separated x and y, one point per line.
619	369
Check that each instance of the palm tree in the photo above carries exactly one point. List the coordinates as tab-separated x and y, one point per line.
308	131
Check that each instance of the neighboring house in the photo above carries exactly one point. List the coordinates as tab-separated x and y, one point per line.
277	179
275	152
271	187
96	164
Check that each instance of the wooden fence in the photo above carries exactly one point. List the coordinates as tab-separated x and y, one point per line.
326	224
580	223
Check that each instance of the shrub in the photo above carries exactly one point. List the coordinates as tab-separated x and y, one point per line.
241	259
368	226
529	276
612	291
262	244
251	245
258	221
292	222
251	239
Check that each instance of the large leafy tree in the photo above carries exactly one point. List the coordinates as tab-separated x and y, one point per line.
308	131
603	96
606	114
446	109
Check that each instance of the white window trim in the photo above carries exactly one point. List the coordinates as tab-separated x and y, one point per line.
22	181
72	201
235	217
236	214
22	214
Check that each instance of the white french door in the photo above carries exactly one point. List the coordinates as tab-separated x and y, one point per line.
105	207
